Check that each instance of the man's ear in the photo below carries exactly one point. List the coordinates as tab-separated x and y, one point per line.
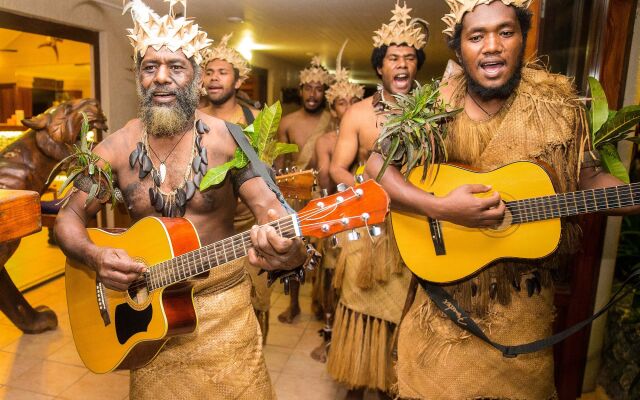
379	70
238	83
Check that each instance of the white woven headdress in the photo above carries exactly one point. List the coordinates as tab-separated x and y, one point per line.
223	52
402	29
152	30
315	73
460	7
342	87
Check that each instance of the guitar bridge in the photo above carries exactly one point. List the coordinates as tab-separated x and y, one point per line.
436	236
102	303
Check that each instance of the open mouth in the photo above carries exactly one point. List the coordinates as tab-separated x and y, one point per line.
492	68
401	81
163	97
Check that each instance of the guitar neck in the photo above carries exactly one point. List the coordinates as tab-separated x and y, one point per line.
574	203
190	264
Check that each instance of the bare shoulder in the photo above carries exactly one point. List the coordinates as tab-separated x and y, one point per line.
360	113
218	140
116	147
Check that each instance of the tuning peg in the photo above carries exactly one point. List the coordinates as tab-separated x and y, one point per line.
286	170
353	235
334	241
359	178
375	231
294	168
324	193
342	187
280	171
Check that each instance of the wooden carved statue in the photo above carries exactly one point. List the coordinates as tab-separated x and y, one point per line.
26	164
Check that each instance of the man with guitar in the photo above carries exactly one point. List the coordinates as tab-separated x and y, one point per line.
369	275
512	112
303	127
224	71
154	160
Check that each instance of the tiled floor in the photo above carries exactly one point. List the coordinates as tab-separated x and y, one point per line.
47	366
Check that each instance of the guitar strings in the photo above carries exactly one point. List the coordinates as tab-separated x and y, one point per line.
537	208
165	269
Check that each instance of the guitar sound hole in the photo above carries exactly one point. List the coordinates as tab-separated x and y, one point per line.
138	292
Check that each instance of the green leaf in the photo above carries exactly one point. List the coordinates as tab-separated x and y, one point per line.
92	194
280	149
92	168
624	120
70	178
83	133
599	105
216	175
268	127
611	161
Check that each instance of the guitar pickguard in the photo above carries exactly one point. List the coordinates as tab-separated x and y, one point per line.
130	321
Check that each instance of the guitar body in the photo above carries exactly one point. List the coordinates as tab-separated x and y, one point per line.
468	250
133	327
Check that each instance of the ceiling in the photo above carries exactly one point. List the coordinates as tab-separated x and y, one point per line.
295	30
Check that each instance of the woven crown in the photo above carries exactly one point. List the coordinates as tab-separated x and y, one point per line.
342	87
460	7
402	30
315	73
223	52
151	30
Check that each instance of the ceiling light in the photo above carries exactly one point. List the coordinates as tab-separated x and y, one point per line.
235	20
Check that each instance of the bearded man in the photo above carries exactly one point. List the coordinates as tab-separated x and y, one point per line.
303	127
223	357
341	95
511	113
225	70
369	274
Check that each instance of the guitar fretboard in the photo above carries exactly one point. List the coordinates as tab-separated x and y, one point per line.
207	257
574	203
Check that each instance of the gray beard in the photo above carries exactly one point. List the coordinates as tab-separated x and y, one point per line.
166	121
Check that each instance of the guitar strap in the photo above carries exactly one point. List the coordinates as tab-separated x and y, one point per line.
461	318
256	163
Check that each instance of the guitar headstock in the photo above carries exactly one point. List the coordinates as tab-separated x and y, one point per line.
364	205
297	185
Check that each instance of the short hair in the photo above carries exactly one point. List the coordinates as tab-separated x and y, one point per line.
378	53
522	14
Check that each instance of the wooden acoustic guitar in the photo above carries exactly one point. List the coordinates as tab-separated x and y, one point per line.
442	252
297	185
122	330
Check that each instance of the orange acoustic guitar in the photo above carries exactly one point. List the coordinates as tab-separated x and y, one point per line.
122	330
297	185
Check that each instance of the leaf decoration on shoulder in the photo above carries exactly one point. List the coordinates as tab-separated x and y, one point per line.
415	130
262	136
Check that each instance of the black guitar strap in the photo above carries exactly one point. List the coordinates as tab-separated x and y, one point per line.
461	318
256	163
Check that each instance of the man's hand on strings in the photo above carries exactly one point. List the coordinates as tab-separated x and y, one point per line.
271	251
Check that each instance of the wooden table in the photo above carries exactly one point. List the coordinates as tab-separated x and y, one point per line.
19	214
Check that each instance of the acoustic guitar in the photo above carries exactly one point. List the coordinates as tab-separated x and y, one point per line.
123	330
443	252
297	185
